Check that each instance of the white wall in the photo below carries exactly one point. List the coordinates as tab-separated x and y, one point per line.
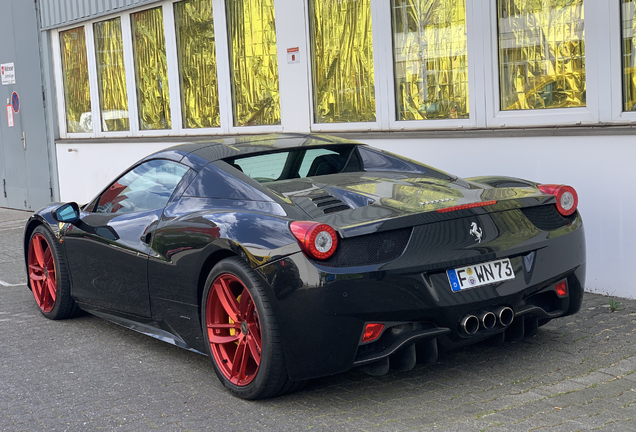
602	169
85	169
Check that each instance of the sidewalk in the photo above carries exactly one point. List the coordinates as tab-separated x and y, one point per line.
11	249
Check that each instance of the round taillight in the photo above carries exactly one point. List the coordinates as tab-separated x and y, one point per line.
317	240
566	198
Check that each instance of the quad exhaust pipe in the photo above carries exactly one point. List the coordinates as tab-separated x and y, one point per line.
487	320
469	324
505	315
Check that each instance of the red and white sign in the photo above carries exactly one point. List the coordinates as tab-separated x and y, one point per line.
9	115
7	71
293	55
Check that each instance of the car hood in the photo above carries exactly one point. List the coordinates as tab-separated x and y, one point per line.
357	203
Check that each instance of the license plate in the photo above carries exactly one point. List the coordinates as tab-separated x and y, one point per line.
476	275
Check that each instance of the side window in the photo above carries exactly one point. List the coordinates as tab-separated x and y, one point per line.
263	168
146	187
310	157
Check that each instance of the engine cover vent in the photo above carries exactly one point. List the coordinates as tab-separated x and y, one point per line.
329	203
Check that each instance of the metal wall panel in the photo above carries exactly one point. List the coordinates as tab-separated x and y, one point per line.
24	152
60	13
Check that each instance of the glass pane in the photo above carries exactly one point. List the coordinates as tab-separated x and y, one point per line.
310	156
77	94
342	61
431	73
254	63
146	187
151	70
629	55
541	54
267	167
111	75
196	48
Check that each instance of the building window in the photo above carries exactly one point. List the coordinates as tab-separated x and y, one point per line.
342	60
151	70
430	59
77	95
629	54
541	54
253	62
111	75
196	51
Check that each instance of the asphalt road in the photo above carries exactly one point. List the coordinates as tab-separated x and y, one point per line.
84	374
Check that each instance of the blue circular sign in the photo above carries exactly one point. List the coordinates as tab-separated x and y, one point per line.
15	102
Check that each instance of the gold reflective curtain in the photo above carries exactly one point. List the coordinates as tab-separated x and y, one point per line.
629	54
151	70
342	60
196	47
111	76
430	55
541	54
254	62
77	95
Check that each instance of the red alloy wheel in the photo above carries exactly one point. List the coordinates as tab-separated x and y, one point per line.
42	272
234	329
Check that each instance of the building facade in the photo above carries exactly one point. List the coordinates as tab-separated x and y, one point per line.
538	89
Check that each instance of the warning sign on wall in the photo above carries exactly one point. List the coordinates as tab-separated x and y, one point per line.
7	70
292	55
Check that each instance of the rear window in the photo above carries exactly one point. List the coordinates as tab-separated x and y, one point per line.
265	167
314	162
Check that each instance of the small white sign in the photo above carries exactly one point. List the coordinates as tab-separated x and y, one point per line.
7	70
10	115
293	55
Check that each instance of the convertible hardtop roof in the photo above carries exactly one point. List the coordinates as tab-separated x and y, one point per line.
198	154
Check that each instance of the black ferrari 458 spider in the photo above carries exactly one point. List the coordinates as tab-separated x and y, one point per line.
287	257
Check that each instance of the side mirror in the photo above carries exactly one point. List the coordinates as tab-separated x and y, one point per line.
67	213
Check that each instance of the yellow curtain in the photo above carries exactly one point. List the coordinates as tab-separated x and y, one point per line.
77	95
629	55
111	76
541	54
254	62
430	55
342	54
151	70
197	64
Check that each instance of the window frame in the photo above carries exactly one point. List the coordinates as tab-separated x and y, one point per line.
472	65
496	117
177	129
614	58
56	53
225	76
603	26
380	94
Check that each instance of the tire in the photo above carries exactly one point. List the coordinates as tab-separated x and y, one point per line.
246	352
48	276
